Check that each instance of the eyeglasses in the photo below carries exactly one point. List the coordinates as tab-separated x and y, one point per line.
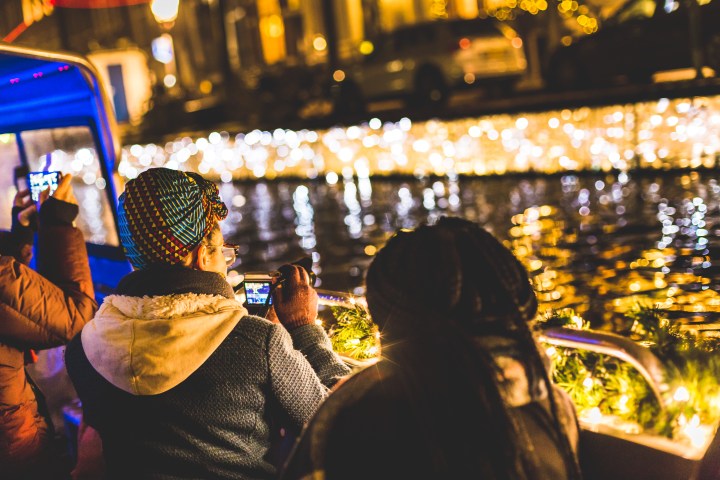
230	252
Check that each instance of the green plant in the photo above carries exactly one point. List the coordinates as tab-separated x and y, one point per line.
615	388
354	334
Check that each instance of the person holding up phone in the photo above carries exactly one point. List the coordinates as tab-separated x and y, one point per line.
41	310
39	181
175	376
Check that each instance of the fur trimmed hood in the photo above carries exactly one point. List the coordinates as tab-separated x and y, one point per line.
148	345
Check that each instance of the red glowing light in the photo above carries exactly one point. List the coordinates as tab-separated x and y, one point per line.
464	43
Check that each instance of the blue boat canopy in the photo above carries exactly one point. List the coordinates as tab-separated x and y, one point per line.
55	115
41	89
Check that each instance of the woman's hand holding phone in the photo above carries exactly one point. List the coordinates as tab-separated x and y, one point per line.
63	191
295	300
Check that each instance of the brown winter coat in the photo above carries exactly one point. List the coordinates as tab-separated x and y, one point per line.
37	311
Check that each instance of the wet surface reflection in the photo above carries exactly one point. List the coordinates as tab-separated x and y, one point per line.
597	243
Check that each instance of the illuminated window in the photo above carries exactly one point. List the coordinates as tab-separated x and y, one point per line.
272	31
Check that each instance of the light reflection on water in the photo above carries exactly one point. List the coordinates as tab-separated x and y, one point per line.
596	243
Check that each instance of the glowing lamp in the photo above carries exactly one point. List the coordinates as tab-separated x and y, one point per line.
165	11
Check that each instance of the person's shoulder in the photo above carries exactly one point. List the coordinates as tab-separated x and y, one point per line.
256	329
355	406
367	382
6	259
254	322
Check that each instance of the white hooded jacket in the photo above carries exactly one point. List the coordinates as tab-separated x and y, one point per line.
148	345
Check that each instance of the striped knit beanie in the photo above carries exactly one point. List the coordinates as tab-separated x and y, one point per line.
163	215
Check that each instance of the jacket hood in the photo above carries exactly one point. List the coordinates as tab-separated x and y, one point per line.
148	345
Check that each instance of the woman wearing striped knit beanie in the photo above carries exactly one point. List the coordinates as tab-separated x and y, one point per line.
461	390
175	376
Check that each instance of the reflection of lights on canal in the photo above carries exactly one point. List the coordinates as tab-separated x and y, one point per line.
564	238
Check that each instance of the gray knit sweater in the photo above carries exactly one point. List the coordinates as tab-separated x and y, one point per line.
172	398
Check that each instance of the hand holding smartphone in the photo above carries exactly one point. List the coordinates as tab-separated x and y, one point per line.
39	181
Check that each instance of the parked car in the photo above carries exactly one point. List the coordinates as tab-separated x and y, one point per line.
424	63
642	38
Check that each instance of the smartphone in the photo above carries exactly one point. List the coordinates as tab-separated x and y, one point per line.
39	181
257	287
20	177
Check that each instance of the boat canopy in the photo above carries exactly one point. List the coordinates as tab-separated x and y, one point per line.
55	115
40	89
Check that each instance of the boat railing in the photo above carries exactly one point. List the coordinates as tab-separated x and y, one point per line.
646	363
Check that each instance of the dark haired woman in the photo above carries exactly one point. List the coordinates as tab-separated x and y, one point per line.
461	390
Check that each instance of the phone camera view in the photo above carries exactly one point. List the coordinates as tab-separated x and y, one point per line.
39	181
257	292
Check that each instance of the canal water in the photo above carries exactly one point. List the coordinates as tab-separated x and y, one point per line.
596	243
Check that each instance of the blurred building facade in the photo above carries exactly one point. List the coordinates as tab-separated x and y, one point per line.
217	48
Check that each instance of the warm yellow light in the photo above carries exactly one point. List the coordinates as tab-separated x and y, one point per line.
366	47
338	75
698	434
165	11
170	80
206	87
319	43
594	416
275	26
681	394
370	250
622	404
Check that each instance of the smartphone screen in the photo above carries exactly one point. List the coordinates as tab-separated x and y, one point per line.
257	292
39	181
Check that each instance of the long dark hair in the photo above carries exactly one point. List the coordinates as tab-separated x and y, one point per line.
434	291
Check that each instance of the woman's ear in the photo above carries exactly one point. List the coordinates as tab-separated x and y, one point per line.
202	259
